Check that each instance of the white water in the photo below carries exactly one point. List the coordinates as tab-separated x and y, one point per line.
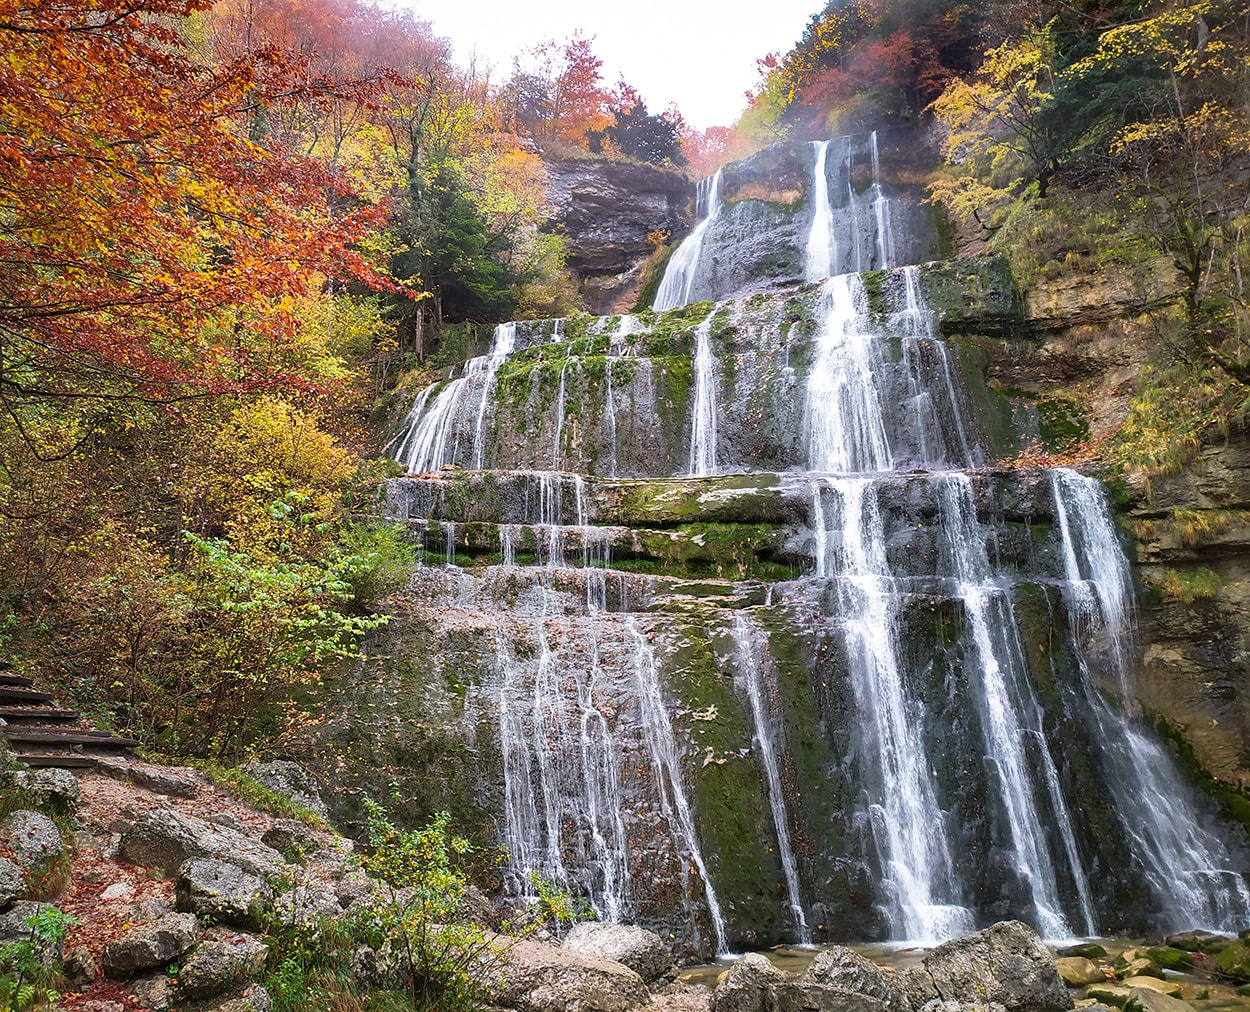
1186	865
432	437
881	211
703	415
678	281
750	658
906	821
844	418
821	255
1009	709
666	761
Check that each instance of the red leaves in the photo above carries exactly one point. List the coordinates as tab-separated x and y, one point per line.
142	218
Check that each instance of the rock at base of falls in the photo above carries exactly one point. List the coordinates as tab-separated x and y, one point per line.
847	969
1006	964
533	977
641	950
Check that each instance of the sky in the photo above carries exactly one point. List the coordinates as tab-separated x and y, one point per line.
698	54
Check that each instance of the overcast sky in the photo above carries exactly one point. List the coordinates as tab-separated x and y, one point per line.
700	55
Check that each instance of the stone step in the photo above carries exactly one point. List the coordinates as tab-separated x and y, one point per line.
51	714
8	678
20	696
64	760
49	735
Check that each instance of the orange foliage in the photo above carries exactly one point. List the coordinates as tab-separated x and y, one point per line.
148	238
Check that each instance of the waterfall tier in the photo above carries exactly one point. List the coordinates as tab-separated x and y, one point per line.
729	627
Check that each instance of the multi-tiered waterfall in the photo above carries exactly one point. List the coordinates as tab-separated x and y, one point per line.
749	641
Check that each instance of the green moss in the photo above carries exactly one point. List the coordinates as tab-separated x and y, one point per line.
874	286
1063	421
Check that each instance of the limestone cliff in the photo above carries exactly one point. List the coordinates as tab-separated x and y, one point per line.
605	210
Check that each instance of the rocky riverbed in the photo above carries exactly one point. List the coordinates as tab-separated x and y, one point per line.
177	889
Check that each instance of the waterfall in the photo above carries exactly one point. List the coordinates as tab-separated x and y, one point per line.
844	414
822	252
670	786
1011	716
750	660
703	420
920	882
960	739
504	342
432	422
679	276
1187	866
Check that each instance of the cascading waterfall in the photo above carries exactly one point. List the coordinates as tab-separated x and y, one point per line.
844	413
703	426
749	658
1011	716
822	251
920	885
432	423
669	782
940	782
1188	867
675	286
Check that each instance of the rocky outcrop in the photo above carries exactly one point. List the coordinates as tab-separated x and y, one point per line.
533	977
215	967
213	888
150	945
744	986
642	951
605	211
1007	964
165	838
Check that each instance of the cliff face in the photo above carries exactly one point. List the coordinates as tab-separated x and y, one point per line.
605	210
1080	350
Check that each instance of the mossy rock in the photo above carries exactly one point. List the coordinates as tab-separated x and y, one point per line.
1169	958
1234	961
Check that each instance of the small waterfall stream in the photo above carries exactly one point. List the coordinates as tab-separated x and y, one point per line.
749	657
927	680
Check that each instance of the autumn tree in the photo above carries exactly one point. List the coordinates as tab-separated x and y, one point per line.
556	94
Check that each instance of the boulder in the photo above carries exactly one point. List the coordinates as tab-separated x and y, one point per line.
155	993
641	950
13	928
292	839
1168	958
805	996
292	781
744	985
1077	971
80	967
35	844
150	945
1139	967
1147	1000
1234	961
1114	995
12	881
254	999
1007	964
154	778
1199	941
52	788
535	977
847	969
164	838
307	903
1153	984
222	891
1090	950
215	967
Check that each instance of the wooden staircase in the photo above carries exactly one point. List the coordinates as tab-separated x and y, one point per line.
41	733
